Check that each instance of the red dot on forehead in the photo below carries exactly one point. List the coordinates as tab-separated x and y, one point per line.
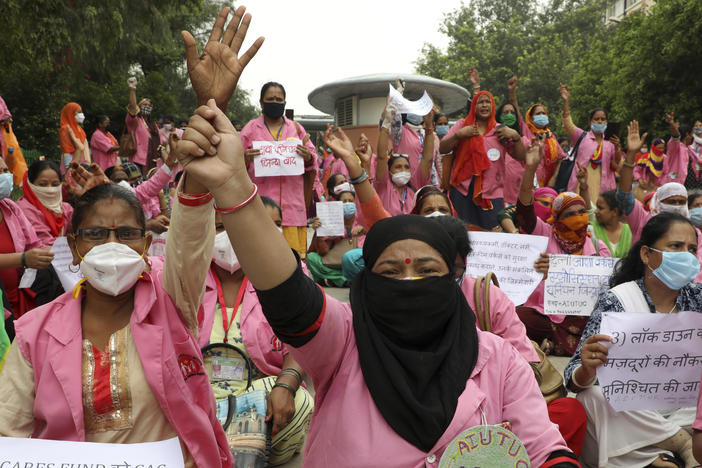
408	261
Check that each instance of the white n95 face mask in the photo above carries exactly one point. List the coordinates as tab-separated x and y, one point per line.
401	178
223	253
112	268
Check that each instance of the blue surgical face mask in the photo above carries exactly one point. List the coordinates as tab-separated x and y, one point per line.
414	119
696	216
349	210
677	269
5	185
541	120
598	128
441	130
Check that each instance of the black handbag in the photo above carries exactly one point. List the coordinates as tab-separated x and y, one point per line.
567	166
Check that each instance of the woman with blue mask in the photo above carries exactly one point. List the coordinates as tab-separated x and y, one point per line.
537	125
600	156
331	260
694	206
655	277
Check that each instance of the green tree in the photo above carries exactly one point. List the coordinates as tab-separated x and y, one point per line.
61	51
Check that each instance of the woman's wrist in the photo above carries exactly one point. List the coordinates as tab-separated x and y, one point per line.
233	192
588	377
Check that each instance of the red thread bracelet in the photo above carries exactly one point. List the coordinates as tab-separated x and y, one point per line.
241	205
194	199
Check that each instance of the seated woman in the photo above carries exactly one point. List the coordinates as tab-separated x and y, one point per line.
19	248
641	283
43	203
363	357
567	233
331	260
231	313
543	198
127	342
606	225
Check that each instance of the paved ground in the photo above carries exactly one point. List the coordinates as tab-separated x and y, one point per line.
343	295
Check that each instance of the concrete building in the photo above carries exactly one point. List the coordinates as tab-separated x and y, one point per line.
618	9
356	103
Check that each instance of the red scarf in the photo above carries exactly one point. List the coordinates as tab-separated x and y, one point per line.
55	221
471	157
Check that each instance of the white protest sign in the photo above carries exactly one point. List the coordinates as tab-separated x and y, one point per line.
331	215
28	277
422	106
63	258
574	282
654	361
511	257
40	453
278	158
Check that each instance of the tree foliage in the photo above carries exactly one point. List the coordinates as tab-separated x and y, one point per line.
639	69
59	51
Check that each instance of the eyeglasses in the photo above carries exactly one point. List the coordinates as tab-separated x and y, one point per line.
123	233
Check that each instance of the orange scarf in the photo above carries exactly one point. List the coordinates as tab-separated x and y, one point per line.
571	232
68	119
471	157
550	146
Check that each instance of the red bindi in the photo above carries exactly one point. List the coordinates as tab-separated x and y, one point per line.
408	261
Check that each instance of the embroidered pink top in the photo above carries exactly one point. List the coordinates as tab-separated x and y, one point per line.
331	359
494	176
287	191
38	222
100	143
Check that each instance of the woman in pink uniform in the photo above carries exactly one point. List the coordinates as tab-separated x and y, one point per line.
364	358
144	129
104	145
287	191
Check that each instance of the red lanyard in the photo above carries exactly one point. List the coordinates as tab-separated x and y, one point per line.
226	322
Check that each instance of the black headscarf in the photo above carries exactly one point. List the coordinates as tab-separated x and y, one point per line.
417	341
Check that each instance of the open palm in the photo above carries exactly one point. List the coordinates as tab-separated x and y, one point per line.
216	72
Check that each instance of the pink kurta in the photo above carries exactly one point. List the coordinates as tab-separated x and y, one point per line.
526	139
514	173
675	164
536	300
38	222
331	359
287	191
100	144
147	193
503	319
412	145
399	202
494	176
24	235
587	148
137	125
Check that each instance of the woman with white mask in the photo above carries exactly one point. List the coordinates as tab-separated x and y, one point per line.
19	247
232	314
43	203
74	142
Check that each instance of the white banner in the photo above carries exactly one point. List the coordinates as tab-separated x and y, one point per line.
574	283
511	257
654	361
40	453
278	158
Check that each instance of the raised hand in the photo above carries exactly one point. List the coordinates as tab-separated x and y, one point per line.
88	179
533	155
211	165
215	73
132	82
581	176
474	76
512	85
633	140
364	150
565	92
429	120
341	145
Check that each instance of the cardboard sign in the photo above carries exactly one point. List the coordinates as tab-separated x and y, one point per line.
654	362
511	257
485	447
36	453
278	158
574	282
